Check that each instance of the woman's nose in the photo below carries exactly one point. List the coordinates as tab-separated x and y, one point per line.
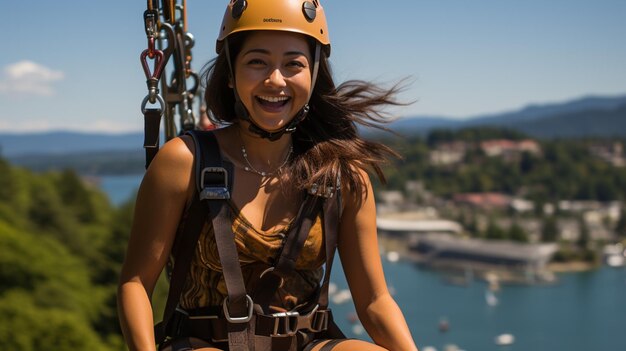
276	79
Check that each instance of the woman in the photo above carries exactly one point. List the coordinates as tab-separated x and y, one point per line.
287	130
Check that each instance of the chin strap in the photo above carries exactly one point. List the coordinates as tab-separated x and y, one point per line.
242	112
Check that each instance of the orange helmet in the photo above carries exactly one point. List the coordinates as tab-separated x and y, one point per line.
300	16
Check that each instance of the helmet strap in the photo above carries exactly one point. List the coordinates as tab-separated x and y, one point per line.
242	112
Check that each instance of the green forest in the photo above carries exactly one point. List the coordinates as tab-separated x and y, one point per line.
61	248
566	169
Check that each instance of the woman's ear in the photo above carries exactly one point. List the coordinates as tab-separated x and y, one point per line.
230	82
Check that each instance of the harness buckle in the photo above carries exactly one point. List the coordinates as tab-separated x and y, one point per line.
244	319
318	320
322	191
285	324
214	182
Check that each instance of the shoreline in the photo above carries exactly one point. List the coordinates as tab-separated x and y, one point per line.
569	267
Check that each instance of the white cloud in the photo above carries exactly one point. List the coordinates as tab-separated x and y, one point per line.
47	124
27	77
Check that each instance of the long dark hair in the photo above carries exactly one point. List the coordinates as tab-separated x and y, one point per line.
327	140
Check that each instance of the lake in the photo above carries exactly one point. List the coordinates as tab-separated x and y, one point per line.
580	312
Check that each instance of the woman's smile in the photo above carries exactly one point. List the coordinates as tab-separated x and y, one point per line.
273	104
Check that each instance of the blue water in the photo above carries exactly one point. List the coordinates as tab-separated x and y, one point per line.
581	312
120	189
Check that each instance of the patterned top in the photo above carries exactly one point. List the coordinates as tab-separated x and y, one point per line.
257	250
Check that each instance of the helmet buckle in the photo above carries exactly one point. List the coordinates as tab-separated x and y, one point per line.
309	10
238	8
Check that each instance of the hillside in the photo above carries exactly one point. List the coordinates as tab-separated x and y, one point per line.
585	117
64	142
587	123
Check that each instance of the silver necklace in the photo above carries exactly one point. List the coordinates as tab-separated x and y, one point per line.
250	168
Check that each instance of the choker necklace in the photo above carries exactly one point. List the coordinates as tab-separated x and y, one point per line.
250	168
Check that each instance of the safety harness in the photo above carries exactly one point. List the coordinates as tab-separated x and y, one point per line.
165	24
244	321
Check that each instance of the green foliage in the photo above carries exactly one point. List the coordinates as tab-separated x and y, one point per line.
495	232
584	237
27	326
517	233
565	169
568	254
61	247
6	182
620	228
550	230
472	135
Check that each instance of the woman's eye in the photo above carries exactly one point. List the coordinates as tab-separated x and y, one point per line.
256	62
297	64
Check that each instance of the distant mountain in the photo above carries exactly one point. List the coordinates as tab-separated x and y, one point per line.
588	116
585	123
533	112
61	142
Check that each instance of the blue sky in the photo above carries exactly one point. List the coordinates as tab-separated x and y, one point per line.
74	64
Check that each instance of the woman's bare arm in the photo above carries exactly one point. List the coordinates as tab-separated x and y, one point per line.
160	203
360	258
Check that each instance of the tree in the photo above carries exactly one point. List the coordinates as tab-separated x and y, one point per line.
620	228
517	233
584	236
7	182
74	195
550	230
58	264
494	231
28	327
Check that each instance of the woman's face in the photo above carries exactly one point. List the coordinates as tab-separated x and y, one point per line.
273	77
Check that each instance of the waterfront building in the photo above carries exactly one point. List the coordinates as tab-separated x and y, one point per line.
453	252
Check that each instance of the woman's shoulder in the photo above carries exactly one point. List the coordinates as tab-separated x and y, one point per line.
172	167
178	151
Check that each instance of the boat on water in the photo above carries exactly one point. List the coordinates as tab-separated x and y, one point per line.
443	325
614	255
393	256
504	339
491	298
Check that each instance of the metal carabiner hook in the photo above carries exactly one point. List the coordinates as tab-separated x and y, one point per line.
157	55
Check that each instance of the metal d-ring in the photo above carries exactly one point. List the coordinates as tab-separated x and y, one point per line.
159	99
244	319
271	269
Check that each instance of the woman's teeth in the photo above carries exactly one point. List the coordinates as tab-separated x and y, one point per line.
273	98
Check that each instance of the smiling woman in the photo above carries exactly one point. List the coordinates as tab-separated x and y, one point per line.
273	77
285	183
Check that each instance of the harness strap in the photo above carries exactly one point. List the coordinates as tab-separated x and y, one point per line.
276	326
186	240
332	216
285	264
152	121
237	305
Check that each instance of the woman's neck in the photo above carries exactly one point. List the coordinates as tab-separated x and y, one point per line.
261	153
